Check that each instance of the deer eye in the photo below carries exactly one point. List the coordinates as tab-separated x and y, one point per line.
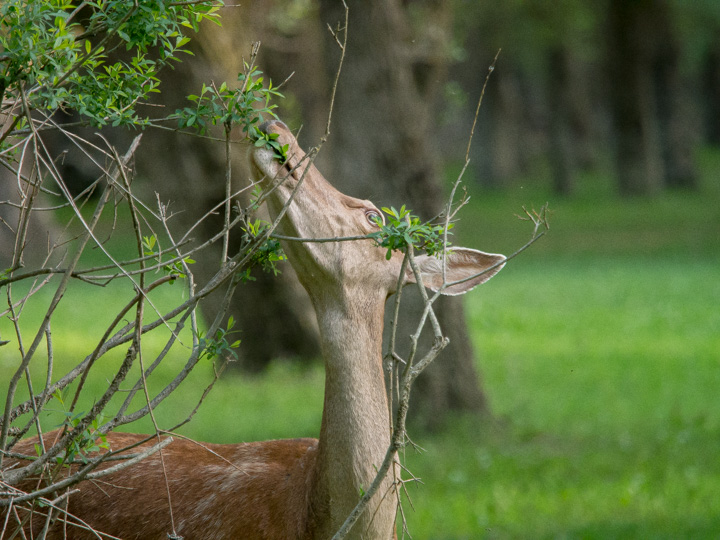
374	217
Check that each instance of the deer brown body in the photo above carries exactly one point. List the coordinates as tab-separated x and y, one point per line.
300	488
218	491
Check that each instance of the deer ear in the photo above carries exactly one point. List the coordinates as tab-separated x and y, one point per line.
461	263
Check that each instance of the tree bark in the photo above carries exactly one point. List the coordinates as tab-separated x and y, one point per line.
561	151
381	148
638	147
677	112
711	90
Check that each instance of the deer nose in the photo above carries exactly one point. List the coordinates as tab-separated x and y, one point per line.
266	125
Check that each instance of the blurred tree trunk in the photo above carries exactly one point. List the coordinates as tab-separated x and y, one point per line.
711	89
655	117
561	149
511	143
381	147
273	316
677	113
638	148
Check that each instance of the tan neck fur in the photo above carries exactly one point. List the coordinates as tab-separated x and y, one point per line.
355	431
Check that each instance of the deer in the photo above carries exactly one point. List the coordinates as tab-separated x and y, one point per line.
297	488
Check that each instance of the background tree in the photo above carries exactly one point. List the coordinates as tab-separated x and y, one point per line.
383	147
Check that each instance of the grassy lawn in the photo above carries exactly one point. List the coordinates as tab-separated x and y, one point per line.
600	353
603	376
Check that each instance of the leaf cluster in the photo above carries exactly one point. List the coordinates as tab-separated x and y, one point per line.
217	345
267	254
404	229
174	269
245	106
58	54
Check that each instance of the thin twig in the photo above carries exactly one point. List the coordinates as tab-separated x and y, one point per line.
480	100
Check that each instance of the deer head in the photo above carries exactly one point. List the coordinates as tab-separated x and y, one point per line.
321	211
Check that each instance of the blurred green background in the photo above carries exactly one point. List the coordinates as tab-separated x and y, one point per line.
598	350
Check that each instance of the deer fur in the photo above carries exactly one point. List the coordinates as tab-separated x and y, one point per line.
299	488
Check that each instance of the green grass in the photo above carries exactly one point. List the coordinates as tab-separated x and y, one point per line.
600	352
604	382
600	355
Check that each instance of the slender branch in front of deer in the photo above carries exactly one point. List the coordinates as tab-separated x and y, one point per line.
228	191
343	48
189	276
29	197
427	310
120	415
158	447
448	212
14	317
37	407
391	356
209	451
10	509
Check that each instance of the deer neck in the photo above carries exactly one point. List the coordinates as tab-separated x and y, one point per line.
355	431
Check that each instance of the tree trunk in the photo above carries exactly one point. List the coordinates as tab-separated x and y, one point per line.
638	152
711	88
561	149
381	148
677	114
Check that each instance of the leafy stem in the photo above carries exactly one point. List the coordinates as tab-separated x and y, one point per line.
404	229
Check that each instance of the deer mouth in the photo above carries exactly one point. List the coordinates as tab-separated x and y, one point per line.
264	160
